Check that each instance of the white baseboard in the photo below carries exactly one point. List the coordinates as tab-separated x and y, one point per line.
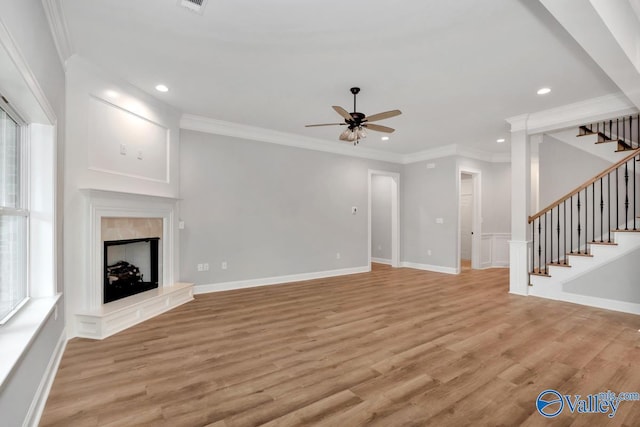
493	266
381	260
427	267
607	304
40	398
252	283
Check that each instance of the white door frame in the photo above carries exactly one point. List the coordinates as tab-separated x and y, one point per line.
476	221
395	215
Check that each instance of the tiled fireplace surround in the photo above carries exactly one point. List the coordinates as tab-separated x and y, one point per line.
113	216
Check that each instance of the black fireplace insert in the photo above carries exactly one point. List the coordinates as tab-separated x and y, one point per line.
130	267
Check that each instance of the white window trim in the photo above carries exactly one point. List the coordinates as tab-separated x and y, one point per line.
24	201
17	335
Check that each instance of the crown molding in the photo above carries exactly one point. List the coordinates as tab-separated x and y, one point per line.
220	127
578	113
431	153
456	150
484	155
254	133
518	123
59	30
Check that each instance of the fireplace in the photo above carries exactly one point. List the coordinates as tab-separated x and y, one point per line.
125	222
130	267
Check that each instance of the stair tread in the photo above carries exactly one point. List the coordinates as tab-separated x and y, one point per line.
607	141
621	230
579	254
555	264
591	132
540	273
603	243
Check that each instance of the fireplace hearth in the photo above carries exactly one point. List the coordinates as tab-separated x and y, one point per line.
114	216
130	267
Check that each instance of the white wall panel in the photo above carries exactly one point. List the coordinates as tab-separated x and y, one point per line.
124	143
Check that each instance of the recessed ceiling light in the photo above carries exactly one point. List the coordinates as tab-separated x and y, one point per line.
385	138
544	91
162	88
500	141
111	94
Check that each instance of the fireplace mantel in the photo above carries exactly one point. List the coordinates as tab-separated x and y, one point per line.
97	320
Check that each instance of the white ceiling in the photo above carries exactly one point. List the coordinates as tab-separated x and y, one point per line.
457	69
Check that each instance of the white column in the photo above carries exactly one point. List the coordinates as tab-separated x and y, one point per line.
535	141
520	202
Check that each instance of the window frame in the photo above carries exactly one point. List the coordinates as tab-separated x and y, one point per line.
22	205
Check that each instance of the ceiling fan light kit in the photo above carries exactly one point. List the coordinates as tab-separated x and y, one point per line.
357	123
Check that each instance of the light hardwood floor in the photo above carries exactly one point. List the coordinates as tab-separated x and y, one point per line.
391	347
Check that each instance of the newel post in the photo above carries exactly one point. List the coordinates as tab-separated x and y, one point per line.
520	205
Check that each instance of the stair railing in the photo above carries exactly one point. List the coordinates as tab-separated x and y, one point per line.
622	130
585	216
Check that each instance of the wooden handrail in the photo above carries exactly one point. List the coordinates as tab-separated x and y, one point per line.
604	173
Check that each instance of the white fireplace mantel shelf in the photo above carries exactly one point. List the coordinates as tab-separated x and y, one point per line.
118	315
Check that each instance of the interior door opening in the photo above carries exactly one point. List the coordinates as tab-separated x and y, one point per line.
466	220
384	236
469	220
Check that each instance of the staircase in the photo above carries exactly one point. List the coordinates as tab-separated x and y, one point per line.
579	240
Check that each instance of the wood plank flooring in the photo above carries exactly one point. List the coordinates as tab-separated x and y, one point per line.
388	348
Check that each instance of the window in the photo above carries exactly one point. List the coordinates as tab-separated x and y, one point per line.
14	215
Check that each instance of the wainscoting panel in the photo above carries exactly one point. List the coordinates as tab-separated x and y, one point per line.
495	250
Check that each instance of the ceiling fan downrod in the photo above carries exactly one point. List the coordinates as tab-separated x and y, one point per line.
355	91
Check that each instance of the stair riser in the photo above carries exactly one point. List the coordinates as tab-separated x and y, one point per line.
602	254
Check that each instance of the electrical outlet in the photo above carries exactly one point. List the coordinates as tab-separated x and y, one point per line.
205	266
181	225
429	252
354	210
123	149
139	154
200	267
337	255
439	221
223	265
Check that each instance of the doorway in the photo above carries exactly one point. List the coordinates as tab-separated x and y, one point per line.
469	225
384	218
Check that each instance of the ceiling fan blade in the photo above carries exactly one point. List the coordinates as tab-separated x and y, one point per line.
378	128
385	115
344	113
325	124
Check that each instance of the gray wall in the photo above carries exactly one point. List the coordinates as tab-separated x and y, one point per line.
269	210
496	193
428	194
29	28
381	216
496	197
563	168
617	280
431	193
